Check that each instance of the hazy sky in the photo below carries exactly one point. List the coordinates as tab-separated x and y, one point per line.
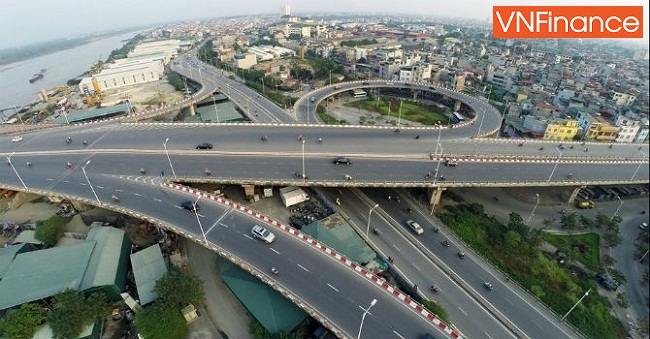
27	21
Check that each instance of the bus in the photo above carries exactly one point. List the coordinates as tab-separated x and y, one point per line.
457	118
358	93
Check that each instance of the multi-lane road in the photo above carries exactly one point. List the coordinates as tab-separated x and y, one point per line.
380	157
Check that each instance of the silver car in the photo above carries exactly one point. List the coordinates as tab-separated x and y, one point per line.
414	226
263	234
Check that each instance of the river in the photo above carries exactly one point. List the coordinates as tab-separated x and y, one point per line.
15	89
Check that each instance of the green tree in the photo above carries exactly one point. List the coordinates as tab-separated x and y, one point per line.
548	222
161	320
568	221
436	309
22	322
50	230
612	239
71	312
618	276
179	288
608	260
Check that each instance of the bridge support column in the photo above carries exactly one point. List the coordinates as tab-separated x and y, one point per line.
574	194
192	110
457	106
434	194
249	191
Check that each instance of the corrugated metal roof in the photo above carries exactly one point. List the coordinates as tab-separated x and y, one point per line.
148	266
41	274
7	255
104	261
275	312
343	239
92	114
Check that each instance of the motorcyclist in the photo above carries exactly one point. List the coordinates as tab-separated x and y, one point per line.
142	170
208	171
68	164
29	164
274	270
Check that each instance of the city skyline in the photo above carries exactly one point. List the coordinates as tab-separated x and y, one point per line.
25	23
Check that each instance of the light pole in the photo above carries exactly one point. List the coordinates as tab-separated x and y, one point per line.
636	171
438	124
481	124
302	147
556	163
534	208
399	118
196	212
83	169
368	223
576	304
214	103
14	168
168	158
365	312
619	205
435	176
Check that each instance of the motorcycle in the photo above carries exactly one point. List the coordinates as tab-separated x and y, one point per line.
69	165
208	172
434	289
488	285
445	243
375	231
115	198
143	171
274	270
265	138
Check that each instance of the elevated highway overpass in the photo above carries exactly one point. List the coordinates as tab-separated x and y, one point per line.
380	156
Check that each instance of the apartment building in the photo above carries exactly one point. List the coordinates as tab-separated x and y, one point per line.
562	130
623	99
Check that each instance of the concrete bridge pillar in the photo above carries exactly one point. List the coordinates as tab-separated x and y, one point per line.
457	106
434	194
192	110
574	194
249	191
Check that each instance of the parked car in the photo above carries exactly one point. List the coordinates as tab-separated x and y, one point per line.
205	145
190	205
342	161
263	234
451	163
607	282
643	226
17	138
414	226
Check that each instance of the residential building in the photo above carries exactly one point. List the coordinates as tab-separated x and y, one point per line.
562	130
623	99
245	61
595	127
459	81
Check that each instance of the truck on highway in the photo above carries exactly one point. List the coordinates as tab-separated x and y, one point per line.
585	204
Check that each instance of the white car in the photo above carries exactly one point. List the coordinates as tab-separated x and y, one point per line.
17	138
414	226
263	234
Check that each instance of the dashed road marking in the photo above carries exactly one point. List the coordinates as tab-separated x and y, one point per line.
399	335
157	200
332	287
462	310
274	250
303	267
137	194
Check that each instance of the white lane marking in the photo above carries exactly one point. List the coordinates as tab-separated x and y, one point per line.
200	215
417	268
82	184
157	200
119	190
50	179
274	250
462	310
303	267
399	335
488	335
66	181
224	225
509	301
332	287
100	187
248	236
397	248
137	194
177	206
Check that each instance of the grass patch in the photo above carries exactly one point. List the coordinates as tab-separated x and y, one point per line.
541	275
328	119
426	115
581	247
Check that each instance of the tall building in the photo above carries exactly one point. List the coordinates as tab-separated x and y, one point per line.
286	10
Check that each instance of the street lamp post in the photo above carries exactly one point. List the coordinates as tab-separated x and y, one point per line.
556	163
14	168
481	123
214	103
436	175
534	208
168	158
363	317
83	169
302	147
619	205
438	124
576	304
368	223
196	212
399	118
